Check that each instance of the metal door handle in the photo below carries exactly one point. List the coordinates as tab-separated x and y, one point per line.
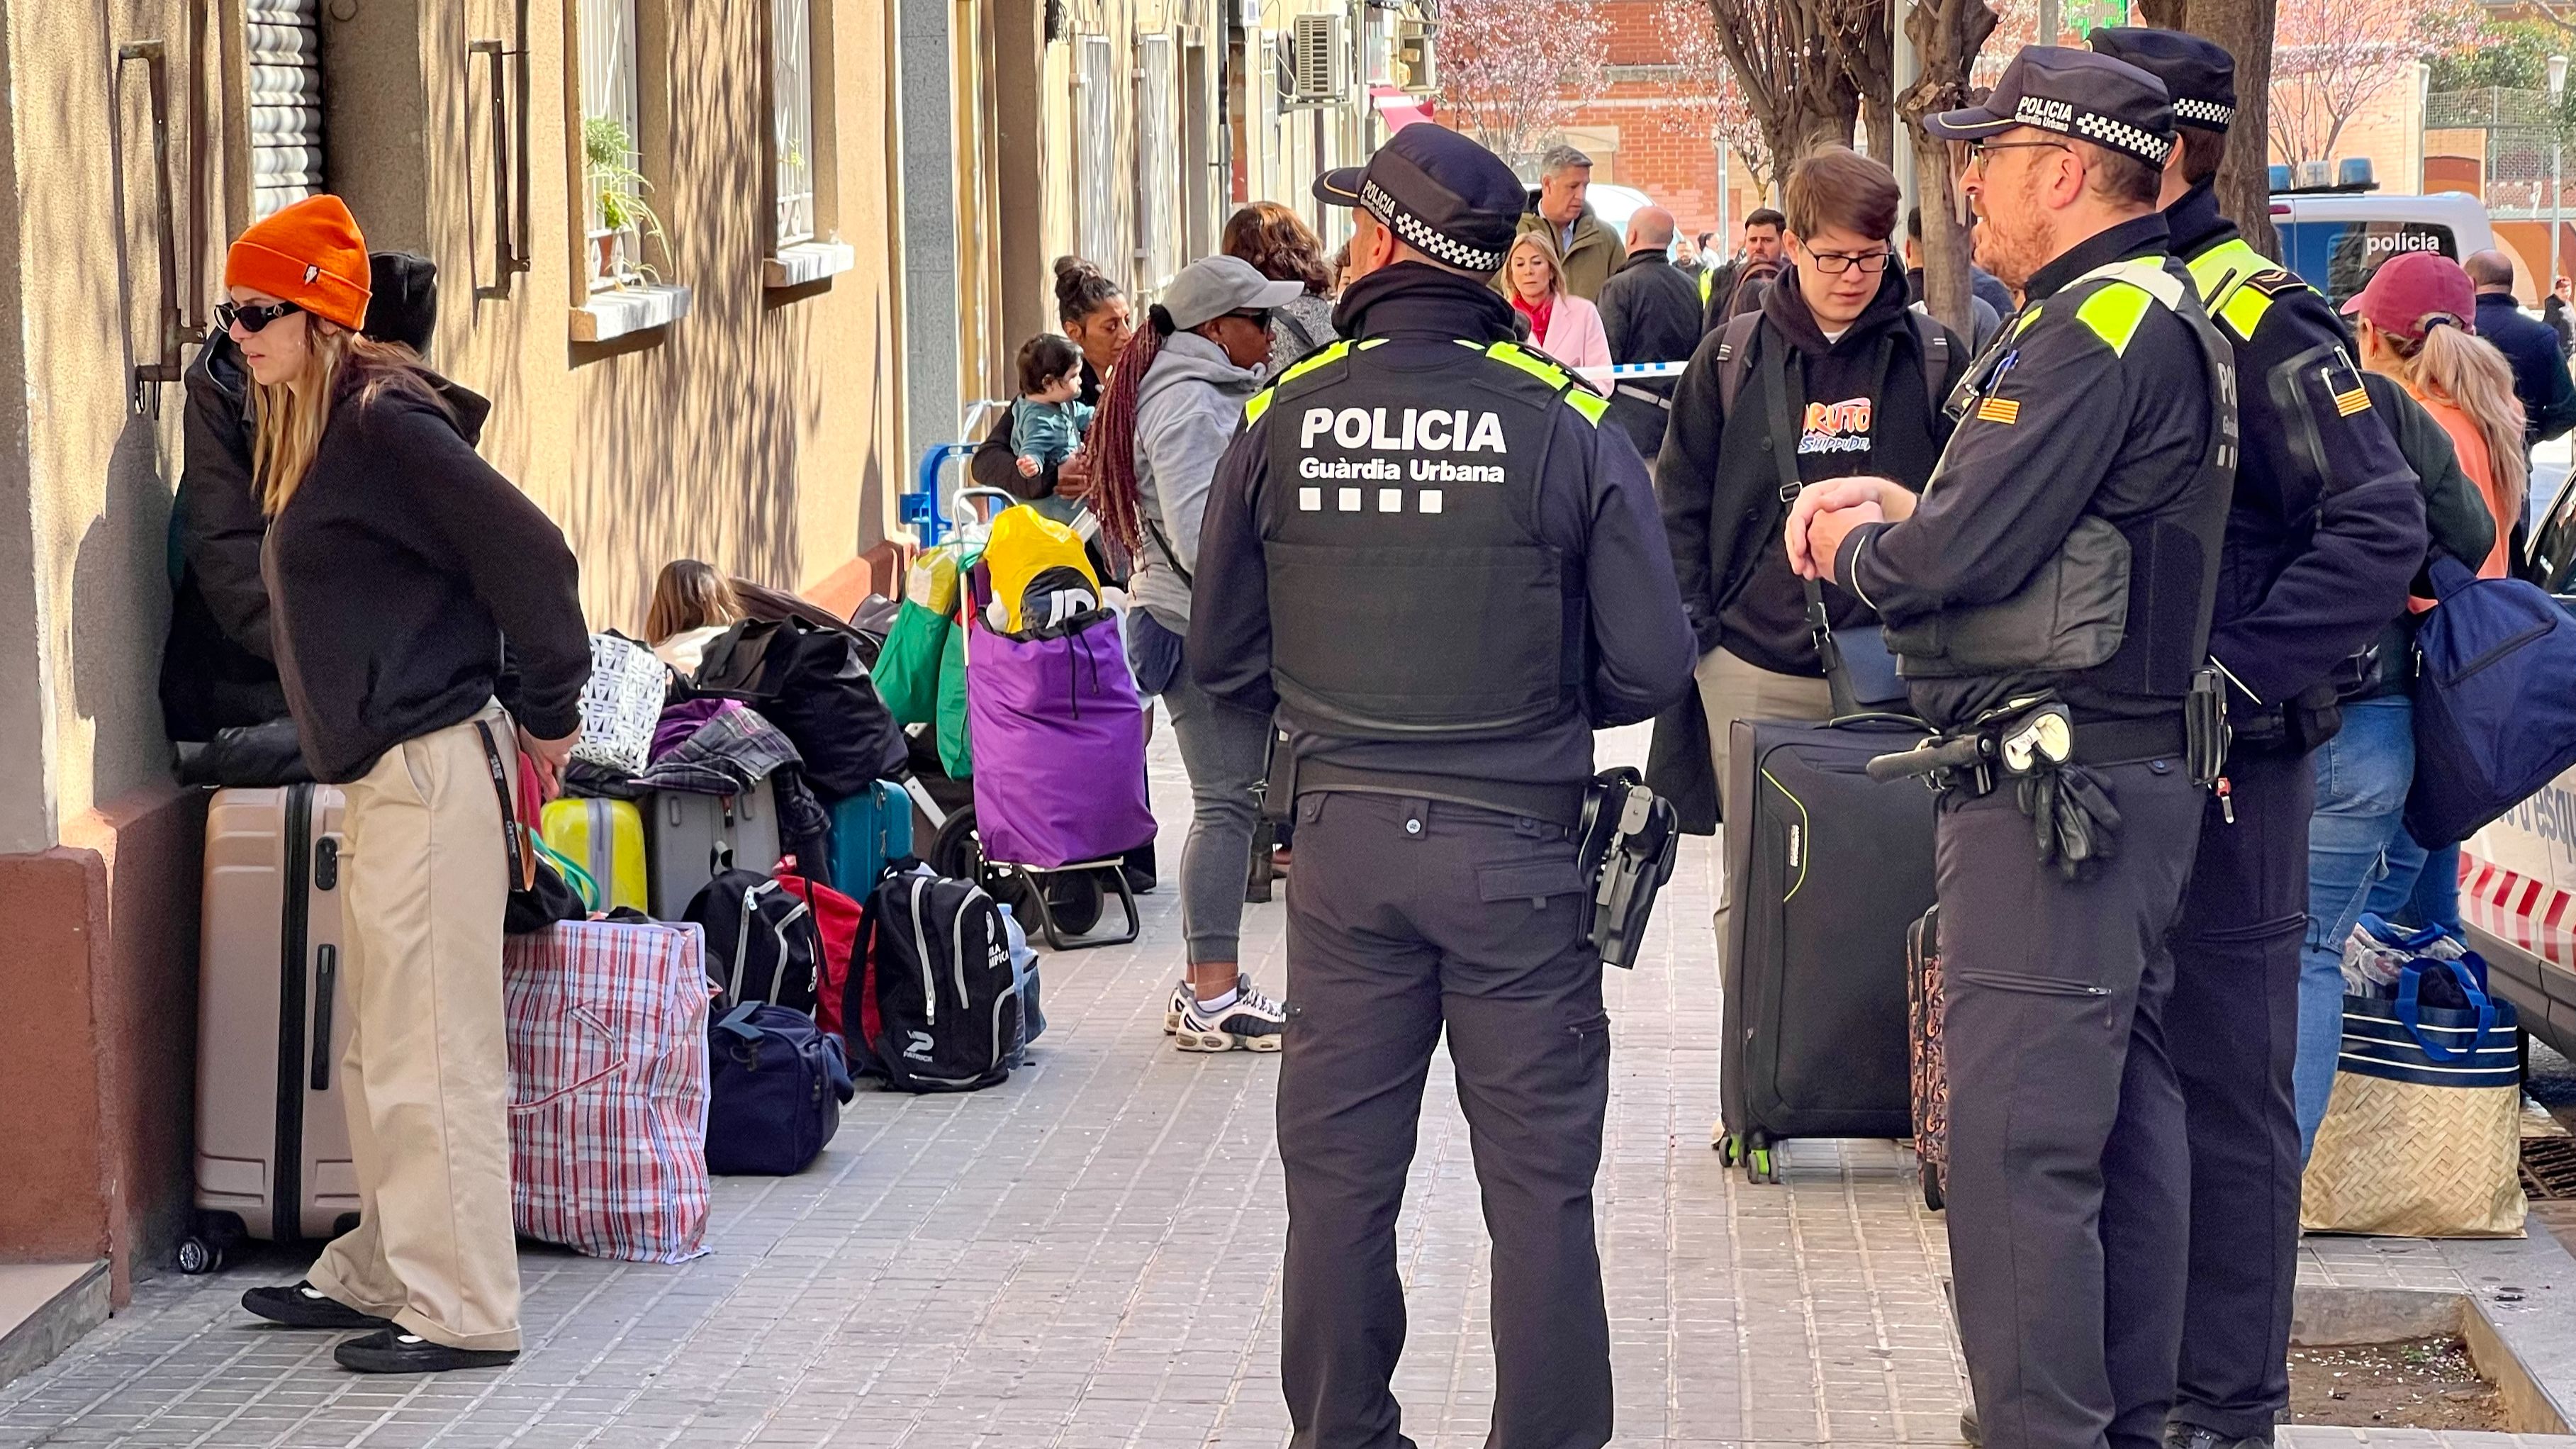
175	329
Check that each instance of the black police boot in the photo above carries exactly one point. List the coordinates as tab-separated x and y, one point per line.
301	1305
2179	1435
392	1351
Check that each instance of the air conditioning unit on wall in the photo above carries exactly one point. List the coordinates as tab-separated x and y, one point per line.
1416	61
1319	61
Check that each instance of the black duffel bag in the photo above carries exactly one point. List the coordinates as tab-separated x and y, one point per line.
812	684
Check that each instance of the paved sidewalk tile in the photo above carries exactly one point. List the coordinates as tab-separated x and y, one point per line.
1088	1256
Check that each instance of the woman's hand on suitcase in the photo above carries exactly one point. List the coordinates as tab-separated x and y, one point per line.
549	756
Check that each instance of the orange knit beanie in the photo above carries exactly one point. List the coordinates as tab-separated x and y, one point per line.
310	254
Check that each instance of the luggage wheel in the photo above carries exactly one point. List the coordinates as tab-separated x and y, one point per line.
197	1256
1932	1186
1760	1168
1730	1148
203	1250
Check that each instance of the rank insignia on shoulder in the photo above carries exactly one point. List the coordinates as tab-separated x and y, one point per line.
1999	410
2274	282
2348	403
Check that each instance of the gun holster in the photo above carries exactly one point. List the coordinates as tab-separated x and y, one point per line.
1630	841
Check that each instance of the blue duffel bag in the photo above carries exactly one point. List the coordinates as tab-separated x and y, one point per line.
775	1089
2495	702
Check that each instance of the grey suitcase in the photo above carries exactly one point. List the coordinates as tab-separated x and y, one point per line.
272	1158
694	836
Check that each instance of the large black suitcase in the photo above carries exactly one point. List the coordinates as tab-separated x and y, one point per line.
1826	869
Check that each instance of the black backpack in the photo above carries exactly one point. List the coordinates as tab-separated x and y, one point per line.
762	942
934	998
813	684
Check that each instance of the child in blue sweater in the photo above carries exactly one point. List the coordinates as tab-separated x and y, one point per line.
1046	423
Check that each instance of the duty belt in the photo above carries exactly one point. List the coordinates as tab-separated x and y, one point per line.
2050	758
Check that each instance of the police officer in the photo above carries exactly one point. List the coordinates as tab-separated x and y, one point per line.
1429	554
2326	530
2049	599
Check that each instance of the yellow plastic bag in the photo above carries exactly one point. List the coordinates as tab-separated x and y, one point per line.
1024	544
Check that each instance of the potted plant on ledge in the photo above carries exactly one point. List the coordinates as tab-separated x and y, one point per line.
609	155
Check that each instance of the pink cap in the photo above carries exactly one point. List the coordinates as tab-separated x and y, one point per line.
2413	291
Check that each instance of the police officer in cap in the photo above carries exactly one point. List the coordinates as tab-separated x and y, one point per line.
2049	599
1443	570
2326	530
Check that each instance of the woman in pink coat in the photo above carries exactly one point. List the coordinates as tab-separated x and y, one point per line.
1563	325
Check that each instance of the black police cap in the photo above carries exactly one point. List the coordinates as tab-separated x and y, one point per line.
1439	192
2074	93
2199	74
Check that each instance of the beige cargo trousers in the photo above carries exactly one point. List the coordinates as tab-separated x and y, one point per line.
427	1077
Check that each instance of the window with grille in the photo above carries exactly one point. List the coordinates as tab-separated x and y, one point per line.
617	210
1096	194
1157	165
285	55
791	104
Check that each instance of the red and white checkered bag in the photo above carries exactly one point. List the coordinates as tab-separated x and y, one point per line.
608	1088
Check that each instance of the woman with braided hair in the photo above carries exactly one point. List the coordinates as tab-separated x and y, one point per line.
1174	402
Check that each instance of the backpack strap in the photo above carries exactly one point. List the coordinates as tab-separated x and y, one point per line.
1735	359
1942	363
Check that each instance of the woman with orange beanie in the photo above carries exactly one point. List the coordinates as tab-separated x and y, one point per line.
396	561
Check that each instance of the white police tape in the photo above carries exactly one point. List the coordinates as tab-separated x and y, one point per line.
1619	371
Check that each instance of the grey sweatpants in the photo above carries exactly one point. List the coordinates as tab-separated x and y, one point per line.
1227	752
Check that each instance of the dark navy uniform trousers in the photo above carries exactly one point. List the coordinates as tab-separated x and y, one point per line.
2233	1027
1406	916
2067	1187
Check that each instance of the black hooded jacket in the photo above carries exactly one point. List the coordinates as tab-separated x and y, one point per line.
1857	404
393	573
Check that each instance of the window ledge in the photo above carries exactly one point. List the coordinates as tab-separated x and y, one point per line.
622	311
807	262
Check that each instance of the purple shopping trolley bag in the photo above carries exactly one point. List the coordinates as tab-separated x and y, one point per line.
1059	746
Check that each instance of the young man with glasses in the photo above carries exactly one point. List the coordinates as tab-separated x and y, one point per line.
1858	377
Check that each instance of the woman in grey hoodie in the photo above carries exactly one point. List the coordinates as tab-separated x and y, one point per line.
1175	401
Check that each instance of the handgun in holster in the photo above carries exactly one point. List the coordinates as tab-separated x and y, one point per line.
1279	787
2205	733
1630	841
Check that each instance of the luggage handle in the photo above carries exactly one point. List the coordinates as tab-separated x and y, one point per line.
326	971
2410	980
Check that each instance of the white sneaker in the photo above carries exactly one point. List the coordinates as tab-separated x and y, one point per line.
1181	999
1251	1023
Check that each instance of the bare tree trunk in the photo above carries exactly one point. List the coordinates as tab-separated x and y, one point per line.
2164	14
1947	35
1947	291
1878	124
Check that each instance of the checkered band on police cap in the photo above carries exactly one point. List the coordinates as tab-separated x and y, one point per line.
1422	236
2204	113
2069	119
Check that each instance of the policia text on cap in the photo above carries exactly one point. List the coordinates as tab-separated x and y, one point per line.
2063	560
1432	559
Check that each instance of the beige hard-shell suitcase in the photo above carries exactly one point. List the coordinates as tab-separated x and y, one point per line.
273	1156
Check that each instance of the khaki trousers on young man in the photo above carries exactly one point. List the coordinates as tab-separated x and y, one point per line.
427	1077
1730	690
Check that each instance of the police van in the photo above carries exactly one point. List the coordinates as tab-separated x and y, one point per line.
2335	238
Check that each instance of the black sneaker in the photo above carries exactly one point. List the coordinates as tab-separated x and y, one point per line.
392	1351
302	1305
2179	1435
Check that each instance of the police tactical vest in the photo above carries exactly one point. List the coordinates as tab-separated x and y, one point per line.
2131	601
1411	594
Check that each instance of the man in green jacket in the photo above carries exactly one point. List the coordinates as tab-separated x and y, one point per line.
1591	250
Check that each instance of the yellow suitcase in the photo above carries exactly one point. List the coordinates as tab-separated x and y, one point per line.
606	838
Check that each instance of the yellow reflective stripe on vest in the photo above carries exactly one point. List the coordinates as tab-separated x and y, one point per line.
1590	404
2029	315
2220	274
1527	361
2114	312
1259	402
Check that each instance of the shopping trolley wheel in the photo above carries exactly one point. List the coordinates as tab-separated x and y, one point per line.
1075	899
957	852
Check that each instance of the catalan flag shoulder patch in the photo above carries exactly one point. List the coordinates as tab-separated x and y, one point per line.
2348	403
1999	410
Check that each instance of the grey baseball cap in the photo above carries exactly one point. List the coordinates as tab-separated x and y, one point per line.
1213	286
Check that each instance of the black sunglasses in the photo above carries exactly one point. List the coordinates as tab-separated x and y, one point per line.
251	316
1259	316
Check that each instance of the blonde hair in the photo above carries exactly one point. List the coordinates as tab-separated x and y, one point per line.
689	595
1546	248
2450	365
288	418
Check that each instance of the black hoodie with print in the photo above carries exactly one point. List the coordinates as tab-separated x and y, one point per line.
1854	404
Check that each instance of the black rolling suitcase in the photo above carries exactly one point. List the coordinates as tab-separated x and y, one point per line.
1827	869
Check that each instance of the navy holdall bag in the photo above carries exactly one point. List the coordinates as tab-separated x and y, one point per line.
2495	702
775	1090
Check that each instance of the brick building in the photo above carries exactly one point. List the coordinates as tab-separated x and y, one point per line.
1647	129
